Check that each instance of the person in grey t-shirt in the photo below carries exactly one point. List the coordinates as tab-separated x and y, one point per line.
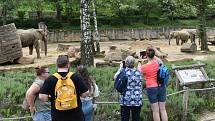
41	111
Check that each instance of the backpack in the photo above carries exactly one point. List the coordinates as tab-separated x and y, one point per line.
65	93
162	74
120	83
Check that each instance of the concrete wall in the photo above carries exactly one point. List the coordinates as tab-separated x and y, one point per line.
119	34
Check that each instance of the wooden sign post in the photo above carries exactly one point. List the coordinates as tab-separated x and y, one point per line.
186	76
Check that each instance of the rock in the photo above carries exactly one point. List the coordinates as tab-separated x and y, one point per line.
26	60
113	55
73	52
110	63
112	47
189	47
104	38
128	52
62	47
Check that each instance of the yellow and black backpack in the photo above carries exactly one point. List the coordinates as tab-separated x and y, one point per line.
65	93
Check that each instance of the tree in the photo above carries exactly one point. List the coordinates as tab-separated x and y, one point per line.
97	35
38	6
145	7
87	56
168	8
201	8
7	5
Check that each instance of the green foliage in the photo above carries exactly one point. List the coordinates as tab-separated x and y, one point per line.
21	14
33	23
14	84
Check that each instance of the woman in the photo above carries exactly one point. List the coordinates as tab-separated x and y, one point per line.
40	110
156	93
88	102
132	100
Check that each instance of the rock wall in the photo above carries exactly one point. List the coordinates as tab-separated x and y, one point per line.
119	34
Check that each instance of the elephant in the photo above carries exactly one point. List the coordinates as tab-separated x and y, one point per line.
179	35
30	38
193	33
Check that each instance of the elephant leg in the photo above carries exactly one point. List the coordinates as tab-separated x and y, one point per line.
177	41
38	51
194	37
37	47
30	49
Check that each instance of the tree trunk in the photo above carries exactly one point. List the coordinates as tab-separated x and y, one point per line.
201	7
97	35
58	7
87	57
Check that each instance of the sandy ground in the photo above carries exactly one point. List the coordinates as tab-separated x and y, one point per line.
172	50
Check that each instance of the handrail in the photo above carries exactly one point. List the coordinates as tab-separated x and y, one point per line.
175	93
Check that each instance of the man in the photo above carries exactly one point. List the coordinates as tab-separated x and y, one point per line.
48	90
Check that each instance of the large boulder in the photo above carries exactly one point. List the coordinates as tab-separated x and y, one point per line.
189	47
63	47
73	52
115	54
26	60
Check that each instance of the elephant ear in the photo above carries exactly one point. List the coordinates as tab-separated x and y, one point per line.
40	31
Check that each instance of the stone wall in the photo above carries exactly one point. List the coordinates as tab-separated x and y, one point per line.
119	34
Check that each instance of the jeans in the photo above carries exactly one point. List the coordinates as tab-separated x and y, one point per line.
42	116
135	111
87	107
156	94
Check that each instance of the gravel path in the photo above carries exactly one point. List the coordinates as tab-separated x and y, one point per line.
207	116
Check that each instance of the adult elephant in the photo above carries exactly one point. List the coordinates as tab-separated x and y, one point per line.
193	33
179	35
30	38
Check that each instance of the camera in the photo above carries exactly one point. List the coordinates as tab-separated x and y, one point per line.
143	54
123	62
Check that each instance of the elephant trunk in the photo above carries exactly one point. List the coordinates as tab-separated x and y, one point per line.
169	40
45	44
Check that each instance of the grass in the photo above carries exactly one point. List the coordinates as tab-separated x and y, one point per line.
13	85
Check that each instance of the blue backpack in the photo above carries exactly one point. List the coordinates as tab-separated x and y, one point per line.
121	81
163	75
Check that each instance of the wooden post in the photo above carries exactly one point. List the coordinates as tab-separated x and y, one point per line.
185	103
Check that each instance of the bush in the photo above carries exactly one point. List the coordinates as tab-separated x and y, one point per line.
33	23
21	14
14	84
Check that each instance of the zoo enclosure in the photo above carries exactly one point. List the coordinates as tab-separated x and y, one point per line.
121	34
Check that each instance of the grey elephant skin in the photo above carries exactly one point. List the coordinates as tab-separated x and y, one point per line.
179	35
30	38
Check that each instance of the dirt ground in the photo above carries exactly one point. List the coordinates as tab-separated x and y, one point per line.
172	50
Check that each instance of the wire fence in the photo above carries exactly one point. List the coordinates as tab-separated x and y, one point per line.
172	94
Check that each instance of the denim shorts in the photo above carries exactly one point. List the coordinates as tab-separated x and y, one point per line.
156	94
42	116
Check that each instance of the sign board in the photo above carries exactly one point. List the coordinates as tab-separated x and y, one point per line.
190	74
